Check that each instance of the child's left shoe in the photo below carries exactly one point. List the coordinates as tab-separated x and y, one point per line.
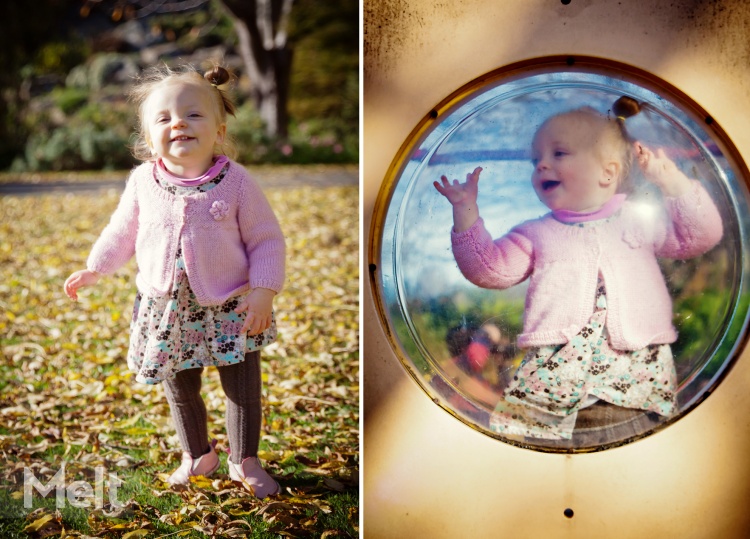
253	477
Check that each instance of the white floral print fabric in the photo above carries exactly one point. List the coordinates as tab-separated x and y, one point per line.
554	382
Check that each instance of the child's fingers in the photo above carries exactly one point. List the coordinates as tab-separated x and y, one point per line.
71	293
242	307
263	324
248	324
473	177
70	287
255	324
456	191
446	188
641	151
645	156
251	319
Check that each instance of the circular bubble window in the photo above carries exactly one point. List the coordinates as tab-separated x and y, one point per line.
559	253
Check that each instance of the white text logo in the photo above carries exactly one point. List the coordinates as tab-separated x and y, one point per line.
78	493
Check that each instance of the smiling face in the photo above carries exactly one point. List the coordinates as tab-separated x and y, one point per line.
182	127
572	170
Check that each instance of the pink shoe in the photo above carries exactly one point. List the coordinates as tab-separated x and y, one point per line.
253	477
203	465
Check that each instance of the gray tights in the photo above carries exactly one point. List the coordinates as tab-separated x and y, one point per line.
241	383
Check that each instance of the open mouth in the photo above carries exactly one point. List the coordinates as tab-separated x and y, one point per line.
181	138
548	185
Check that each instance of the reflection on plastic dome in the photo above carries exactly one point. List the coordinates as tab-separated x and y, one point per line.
599	295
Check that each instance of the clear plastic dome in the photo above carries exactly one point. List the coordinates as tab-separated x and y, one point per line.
459	341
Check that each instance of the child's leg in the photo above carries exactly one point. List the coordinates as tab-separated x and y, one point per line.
242	384
183	393
603	423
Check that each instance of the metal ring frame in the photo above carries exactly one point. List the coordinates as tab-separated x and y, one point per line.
513	72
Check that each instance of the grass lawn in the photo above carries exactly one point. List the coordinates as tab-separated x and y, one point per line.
67	398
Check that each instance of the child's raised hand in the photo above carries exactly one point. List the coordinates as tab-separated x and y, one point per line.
463	197
259	306
661	171
77	280
460	193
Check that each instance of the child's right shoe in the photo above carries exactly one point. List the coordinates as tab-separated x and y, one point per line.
204	465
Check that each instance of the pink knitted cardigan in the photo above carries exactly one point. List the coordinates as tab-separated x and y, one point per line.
231	241
563	261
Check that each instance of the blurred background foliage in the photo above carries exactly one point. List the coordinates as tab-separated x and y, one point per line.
66	72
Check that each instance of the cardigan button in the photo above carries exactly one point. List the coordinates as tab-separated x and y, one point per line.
570	331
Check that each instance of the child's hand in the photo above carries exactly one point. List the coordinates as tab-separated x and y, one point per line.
460	193
463	197
77	280
661	171
259	305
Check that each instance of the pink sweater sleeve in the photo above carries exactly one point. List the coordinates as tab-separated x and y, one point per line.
116	244
694	226
263	239
492	264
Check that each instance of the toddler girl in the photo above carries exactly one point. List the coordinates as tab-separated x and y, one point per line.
598	315
210	258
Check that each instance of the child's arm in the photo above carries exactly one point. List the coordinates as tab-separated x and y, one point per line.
695	225
79	279
463	197
116	244
263	239
114	247
490	264
266	252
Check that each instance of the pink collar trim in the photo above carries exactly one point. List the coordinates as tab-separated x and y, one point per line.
210	174
610	208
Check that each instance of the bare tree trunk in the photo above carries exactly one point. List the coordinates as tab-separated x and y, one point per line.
261	29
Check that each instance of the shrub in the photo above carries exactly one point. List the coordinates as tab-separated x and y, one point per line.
69	99
101	70
77	148
59	56
327	140
96	136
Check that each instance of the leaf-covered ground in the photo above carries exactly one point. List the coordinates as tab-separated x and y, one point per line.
66	395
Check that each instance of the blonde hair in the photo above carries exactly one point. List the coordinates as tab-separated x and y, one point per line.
155	77
609	136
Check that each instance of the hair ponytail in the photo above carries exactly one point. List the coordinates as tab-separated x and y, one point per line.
218	76
626	107
623	108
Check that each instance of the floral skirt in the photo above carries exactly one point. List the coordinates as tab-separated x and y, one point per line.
174	332
554	382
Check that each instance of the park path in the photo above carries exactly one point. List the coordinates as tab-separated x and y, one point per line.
269	177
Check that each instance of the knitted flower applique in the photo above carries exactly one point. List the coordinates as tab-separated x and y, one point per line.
219	210
635	238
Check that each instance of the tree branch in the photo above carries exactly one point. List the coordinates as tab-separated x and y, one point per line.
281	32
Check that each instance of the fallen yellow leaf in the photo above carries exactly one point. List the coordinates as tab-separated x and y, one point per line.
38	523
